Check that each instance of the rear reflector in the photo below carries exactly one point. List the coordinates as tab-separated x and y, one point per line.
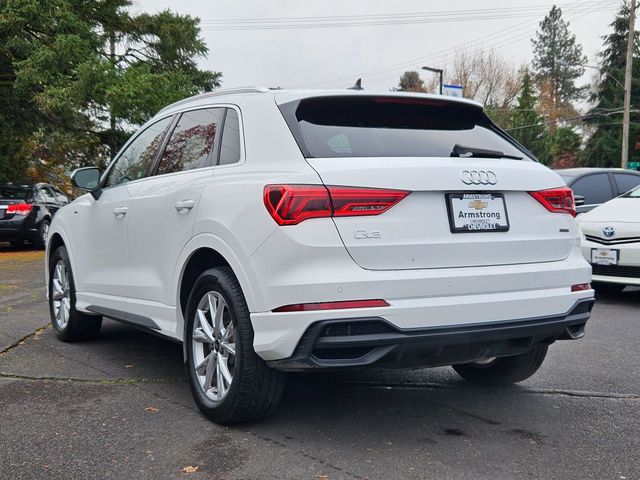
292	204
579	287
305	307
558	200
19	209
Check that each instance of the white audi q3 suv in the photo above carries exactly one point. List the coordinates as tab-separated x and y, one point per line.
281	230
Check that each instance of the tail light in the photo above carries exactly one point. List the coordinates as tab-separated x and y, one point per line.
579	287
292	204
19	209
305	307
559	200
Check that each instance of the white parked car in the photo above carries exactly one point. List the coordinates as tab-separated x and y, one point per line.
274	231
611	242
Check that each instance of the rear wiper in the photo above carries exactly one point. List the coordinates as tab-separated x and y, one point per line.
462	151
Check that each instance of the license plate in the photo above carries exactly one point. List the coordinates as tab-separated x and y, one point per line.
604	256
477	212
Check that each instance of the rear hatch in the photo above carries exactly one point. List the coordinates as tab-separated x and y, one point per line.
469	202
12	194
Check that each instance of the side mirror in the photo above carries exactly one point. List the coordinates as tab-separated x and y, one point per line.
579	200
87	179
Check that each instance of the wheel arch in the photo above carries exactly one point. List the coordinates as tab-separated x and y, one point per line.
57	238
201	253
200	260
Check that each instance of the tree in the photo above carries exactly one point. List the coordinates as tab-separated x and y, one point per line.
410	81
556	64
486	77
77	77
565	148
525	123
603	147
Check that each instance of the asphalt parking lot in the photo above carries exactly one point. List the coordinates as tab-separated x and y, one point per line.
119	407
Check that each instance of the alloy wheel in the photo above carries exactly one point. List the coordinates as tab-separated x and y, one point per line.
214	349
61	294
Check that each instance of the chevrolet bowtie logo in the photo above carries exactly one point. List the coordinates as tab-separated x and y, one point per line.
478	204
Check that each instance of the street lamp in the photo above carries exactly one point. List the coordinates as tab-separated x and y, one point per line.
627	108
436	70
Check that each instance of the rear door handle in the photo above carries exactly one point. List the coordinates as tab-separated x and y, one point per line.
120	211
183	206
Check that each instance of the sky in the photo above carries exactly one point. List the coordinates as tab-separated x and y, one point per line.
249	44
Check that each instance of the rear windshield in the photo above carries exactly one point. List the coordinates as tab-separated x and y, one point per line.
374	126
10	192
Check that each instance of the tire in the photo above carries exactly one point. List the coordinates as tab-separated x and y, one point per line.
40	241
69	324
608	288
503	371
225	350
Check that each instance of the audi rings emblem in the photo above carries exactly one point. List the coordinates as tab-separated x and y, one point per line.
478	177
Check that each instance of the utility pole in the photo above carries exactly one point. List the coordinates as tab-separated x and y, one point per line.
627	85
112	118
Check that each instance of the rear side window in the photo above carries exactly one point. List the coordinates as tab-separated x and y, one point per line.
626	182
374	126
136	159
45	195
230	149
595	188
192	141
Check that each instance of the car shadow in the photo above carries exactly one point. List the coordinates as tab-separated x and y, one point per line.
629	296
6	247
402	397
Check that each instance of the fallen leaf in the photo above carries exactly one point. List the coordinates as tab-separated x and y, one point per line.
190	469
322	477
151	410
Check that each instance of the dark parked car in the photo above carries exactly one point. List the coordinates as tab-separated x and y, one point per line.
595	186
26	212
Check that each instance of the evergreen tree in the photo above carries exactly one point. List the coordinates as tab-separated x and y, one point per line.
525	124
77	77
565	148
604	146
556	60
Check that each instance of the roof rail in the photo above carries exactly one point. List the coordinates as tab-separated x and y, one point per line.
216	93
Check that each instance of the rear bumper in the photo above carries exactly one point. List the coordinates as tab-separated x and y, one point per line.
360	342
18	229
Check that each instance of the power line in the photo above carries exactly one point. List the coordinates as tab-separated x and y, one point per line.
506	41
568	119
503	36
448	16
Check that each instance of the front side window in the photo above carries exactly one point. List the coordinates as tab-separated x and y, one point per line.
192	141
230	148
135	160
60	197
